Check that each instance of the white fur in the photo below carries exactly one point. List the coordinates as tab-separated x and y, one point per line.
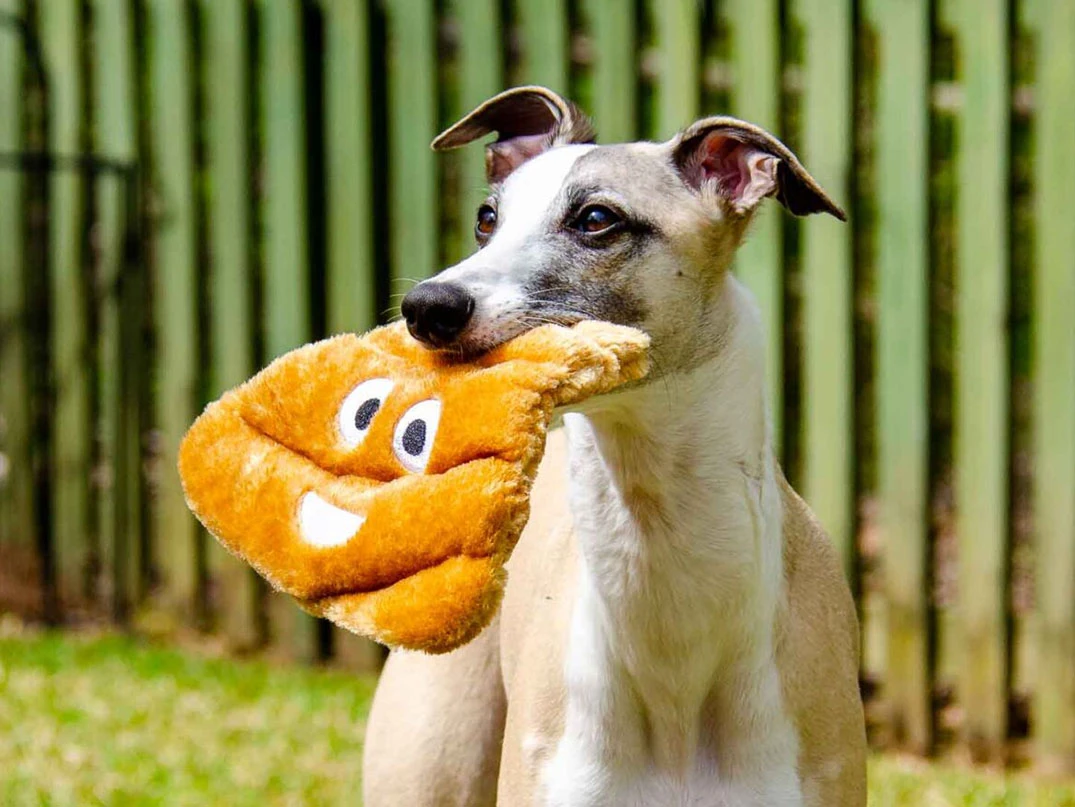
677	514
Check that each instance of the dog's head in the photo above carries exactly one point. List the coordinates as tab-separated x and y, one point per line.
637	234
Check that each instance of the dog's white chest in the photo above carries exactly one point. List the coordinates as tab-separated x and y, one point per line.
573	779
635	743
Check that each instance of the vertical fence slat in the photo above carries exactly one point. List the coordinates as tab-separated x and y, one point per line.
61	33
412	124
351	283
676	26
233	583
176	292
115	128
352	280
756	98
615	70
480	76
1054	384
287	292
981	376
543	26
16	522
902	370
828	364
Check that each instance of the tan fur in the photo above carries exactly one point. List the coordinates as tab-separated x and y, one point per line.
817	652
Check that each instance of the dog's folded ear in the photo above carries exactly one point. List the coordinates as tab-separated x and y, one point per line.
743	164
527	120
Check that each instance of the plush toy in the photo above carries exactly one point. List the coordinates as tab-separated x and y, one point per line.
384	485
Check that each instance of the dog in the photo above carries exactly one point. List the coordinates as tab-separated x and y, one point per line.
676	628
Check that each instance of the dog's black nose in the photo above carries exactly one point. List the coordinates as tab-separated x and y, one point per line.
437	313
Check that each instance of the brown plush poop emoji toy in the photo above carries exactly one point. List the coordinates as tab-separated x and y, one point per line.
384	485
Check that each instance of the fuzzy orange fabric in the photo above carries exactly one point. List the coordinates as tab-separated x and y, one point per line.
384	485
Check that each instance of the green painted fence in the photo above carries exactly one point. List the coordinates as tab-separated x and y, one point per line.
189	188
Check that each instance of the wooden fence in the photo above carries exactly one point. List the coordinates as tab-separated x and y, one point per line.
188	189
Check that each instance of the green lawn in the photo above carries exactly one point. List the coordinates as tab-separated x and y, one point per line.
109	720
112	721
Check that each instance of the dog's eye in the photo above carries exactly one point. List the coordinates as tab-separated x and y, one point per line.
413	440
359	408
596	219
486	223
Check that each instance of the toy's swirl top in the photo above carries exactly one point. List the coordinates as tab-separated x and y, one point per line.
384	485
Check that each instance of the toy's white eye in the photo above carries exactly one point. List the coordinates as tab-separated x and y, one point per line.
359	408
413	440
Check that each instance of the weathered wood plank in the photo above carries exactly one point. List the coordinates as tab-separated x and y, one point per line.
828	362
352	283
479	78
678	46
287	292
37	321
615	72
1054	380
543	29
176	284
902	367
412	125
287	321
982	374
61	38
115	130
755	28
16	520
134	331
233	585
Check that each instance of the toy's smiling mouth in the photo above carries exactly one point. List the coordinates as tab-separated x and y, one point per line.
325	525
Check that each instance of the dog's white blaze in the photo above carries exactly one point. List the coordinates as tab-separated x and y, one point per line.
529	193
495	275
325	525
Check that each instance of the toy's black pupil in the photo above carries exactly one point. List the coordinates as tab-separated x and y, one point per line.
365	413
414	437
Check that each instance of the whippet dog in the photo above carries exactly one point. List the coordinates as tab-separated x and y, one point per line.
676	629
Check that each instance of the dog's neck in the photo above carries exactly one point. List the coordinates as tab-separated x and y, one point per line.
677	515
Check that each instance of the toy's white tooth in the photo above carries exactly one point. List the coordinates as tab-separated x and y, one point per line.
323	524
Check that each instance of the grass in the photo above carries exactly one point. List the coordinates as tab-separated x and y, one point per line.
895	782
110	720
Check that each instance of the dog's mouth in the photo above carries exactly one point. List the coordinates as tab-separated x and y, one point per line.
482	336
